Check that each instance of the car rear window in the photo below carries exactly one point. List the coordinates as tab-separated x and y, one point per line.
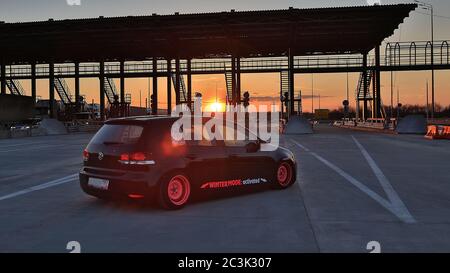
118	134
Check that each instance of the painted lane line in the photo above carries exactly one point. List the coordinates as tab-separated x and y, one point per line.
301	146
392	195
380	200
43	186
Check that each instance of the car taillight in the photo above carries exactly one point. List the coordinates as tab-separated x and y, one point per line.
124	157
137	158
85	155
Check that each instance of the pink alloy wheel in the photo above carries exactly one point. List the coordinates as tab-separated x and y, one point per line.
179	190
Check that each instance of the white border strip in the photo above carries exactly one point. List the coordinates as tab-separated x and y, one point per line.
43	186
393	207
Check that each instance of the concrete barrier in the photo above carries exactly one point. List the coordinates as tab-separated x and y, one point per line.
53	127
438	132
298	126
20	133
412	124
38	132
5	134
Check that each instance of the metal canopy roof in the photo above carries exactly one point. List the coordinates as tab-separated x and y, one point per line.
246	33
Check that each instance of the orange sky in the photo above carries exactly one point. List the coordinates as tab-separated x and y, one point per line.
331	87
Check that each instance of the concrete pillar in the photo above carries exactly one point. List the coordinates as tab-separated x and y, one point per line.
155	85
3	78
189	83
102	90
378	81
33	81
169	87
177	82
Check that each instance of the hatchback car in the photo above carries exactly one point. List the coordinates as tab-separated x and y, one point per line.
137	158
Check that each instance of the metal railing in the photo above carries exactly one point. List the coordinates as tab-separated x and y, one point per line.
417	53
401	54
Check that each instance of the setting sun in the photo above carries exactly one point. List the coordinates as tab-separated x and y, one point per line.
215	107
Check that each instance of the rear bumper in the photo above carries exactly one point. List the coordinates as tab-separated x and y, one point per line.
121	184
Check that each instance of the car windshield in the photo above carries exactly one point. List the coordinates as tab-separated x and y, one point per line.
115	134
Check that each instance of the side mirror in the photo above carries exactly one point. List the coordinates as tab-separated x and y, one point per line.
253	147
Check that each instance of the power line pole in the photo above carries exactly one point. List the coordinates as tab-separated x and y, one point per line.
427	110
428	6
312	94
392	94
347	88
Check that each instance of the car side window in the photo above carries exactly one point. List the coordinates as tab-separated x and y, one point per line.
249	136
236	143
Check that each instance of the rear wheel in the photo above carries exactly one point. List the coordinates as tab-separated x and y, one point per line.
174	191
284	175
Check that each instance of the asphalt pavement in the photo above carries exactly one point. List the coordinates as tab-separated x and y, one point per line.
353	188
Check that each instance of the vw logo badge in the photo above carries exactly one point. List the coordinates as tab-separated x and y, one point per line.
101	156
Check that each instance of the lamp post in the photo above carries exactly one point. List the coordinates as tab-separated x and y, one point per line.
428	6
312	94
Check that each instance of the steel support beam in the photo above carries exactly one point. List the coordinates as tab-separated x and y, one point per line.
122	82
77	86
33	82
233	81
177	82
189	83
102	90
365	86
291	85
155	86
3	78
378	81
51	96
238	80
169	87
374	92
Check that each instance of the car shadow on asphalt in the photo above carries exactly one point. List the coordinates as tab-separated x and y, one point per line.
151	205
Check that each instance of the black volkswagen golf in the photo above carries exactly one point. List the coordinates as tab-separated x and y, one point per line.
137	158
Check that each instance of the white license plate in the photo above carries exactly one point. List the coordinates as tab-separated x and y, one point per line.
100	184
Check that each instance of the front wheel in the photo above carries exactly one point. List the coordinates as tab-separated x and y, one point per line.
174	191
284	175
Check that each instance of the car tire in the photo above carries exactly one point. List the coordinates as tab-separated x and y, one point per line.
284	176
174	191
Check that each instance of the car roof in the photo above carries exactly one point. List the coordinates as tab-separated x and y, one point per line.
140	119
146	120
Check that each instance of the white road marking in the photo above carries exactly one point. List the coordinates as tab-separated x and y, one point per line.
405	217
43	186
392	195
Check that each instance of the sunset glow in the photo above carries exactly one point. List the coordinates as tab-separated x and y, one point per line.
215	107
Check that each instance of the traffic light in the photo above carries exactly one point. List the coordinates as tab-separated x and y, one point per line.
246	99
153	105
